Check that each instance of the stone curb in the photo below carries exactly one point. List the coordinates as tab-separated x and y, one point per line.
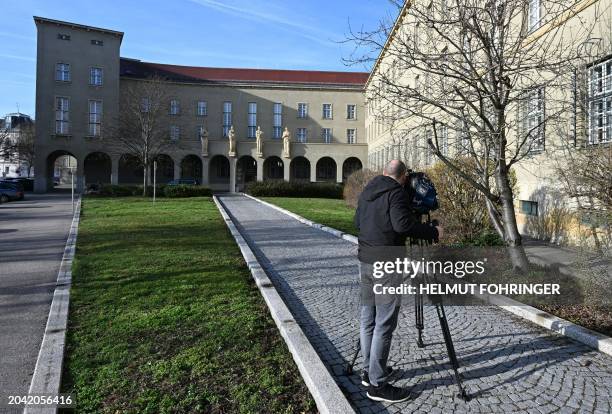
595	340
48	372
326	393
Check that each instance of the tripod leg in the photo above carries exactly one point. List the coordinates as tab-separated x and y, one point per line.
450	348
418	314
350	365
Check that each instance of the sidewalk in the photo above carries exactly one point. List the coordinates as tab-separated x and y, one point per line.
509	365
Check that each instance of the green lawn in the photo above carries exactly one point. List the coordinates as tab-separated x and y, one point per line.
165	317
330	212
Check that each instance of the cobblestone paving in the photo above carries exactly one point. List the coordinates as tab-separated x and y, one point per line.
508	364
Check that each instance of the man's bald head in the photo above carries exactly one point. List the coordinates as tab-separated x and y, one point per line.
395	169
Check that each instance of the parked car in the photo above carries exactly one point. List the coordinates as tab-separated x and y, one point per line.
185	181
26	183
10	191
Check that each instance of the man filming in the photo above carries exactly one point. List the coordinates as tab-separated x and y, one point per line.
384	220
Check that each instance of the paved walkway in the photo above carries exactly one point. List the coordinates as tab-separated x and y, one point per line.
33	234
509	365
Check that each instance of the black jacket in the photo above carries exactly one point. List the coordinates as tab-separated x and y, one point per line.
384	218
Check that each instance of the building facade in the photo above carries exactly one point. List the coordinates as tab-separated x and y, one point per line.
572	118
81	80
15	127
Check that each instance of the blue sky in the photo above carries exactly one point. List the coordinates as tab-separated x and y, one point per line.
278	34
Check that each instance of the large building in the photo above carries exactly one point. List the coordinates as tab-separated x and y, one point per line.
551	119
15	127
81	80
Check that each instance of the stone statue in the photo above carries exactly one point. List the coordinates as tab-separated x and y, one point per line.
259	136
286	143
204	142
231	135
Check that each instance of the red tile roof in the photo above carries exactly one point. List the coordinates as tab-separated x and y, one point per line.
135	68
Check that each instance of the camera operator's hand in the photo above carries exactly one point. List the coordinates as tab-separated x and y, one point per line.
440	232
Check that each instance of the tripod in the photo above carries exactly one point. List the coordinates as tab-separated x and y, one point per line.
420	325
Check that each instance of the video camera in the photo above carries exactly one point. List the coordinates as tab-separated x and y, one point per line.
422	194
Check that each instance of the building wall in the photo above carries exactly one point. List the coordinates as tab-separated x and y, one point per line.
81	55
391	135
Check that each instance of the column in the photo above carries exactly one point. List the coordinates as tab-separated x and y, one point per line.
260	163
205	162
338	172
177	169
286	169
114	171
232	162
41	174
80	175
313	172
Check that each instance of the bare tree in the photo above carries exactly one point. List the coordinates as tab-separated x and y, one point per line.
17	146
142	129
477	71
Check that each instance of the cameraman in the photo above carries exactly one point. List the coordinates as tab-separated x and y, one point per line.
384	220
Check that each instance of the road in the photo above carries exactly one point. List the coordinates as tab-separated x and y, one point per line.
33	234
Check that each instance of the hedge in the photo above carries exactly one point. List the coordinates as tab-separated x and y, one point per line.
183	190
278	188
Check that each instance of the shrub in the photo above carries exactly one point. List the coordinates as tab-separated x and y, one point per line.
110	190
277	188
183	190
355	184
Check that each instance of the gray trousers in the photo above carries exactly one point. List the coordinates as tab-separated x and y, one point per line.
378	320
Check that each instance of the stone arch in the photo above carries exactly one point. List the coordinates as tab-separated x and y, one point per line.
273	168
299	169
349	166
219	173
164	173
130	170
97	167
191	167
246	171
326	169
59	167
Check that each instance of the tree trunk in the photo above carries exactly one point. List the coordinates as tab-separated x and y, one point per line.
145	180
512	237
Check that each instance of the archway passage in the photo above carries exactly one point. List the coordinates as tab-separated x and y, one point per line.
59	169
299	170
246	171
191	168
164	173
130	170
274	168
349	166
219	173
326	169
98	168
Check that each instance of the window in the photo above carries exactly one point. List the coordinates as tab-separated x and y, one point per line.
252	120
62	36
227	118
95	76
534	14
95	118
201	108
443	139
599	105
533	119
97	42
351	112
62	72
175	107
326	134
350	135
428	136
302	110
62	115
145	105
277	122
175	132
529	207
327	111
302	135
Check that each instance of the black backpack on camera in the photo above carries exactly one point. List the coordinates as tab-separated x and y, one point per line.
422	195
